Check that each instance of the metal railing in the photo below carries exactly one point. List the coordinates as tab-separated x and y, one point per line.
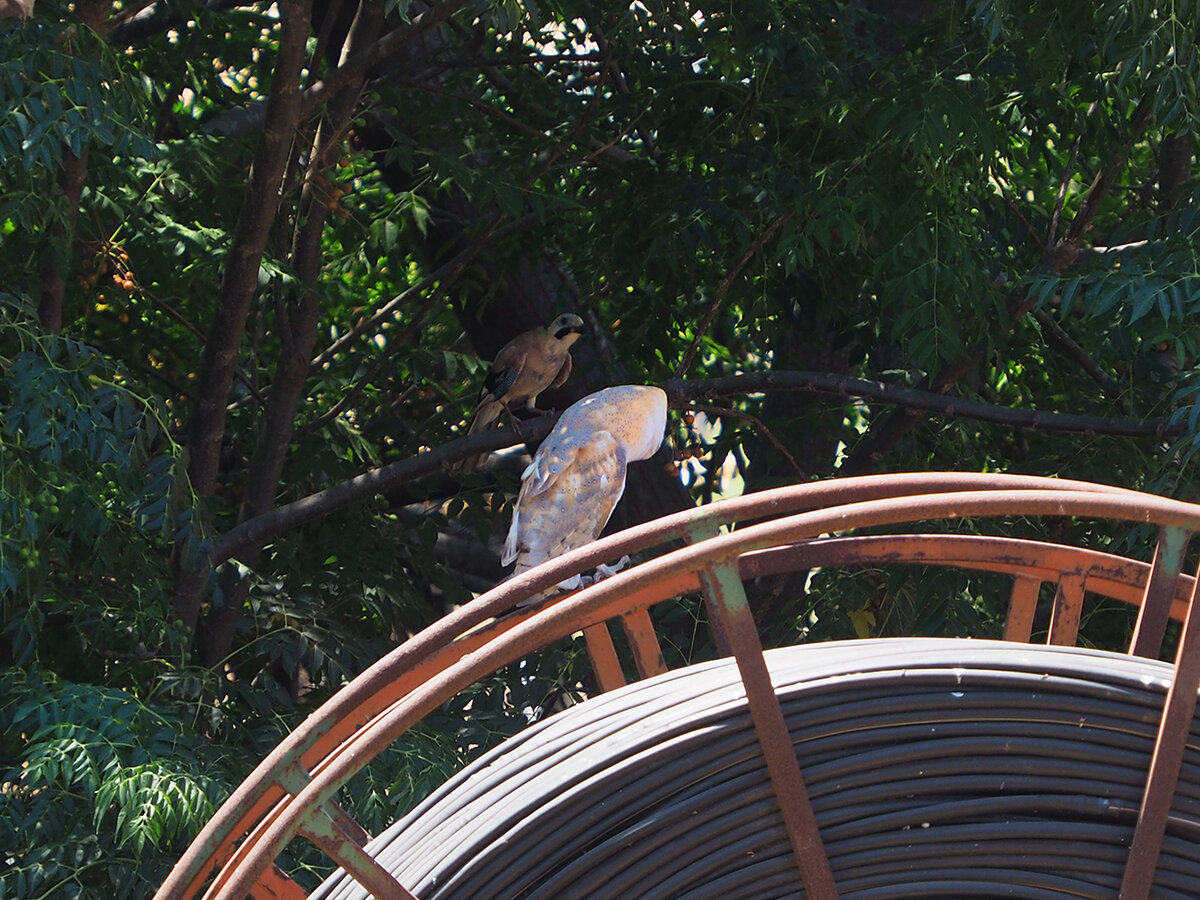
292	794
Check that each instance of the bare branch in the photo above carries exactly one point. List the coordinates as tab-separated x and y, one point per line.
682	393
719	297
1069	346
759	424
361	487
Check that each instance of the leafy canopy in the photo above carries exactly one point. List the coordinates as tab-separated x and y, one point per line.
218	302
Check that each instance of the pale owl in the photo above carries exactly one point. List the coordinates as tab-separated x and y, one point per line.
577	475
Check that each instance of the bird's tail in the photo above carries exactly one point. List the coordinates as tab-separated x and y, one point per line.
512	543
486	415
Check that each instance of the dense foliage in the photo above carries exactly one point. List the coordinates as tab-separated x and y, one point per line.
252	251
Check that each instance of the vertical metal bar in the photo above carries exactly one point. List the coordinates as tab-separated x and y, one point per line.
1022	605
604	657
1160	591
359	864
647	652
699	531
724	587
1068	605
1178	713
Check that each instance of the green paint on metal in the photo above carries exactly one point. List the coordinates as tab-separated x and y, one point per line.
1160	590
700	529
1173	539
723	585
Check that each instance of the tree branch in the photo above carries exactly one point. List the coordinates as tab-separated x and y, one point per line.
239	282
443	276
719	297
725	411
245	120
70	181
296	323
360	487
681	394
1058	335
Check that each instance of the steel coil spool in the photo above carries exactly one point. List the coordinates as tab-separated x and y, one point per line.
937	768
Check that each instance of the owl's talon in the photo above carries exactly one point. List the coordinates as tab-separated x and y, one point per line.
603	571
574	583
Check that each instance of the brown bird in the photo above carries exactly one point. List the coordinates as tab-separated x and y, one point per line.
527	365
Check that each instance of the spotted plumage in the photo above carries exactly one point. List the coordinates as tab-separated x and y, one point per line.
577	476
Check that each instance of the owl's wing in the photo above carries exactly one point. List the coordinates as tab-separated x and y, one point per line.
567	495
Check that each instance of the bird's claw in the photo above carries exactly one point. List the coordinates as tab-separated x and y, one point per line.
574	583
602	571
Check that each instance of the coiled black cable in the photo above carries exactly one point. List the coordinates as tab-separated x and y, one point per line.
936	768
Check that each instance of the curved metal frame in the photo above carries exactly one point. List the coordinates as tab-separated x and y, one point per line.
293	791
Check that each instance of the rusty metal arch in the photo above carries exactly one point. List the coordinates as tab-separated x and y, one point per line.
293	791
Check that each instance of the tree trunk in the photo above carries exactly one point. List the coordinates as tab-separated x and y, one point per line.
240	280
296	323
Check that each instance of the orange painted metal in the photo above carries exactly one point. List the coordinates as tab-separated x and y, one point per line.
781	530
372	691
1152	617
647	653
276	885
339	845
1068	606
1108	574
724	587
1022	606
606	666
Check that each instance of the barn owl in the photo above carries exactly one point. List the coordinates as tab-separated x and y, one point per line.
578	474
527	365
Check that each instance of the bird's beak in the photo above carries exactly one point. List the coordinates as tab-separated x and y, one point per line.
568	329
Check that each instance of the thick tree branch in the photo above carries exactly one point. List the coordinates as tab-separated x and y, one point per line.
72	176
70	181
681	393
239	282
296	322
361	487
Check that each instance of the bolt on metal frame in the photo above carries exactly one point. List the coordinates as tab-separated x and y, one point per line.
293	791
